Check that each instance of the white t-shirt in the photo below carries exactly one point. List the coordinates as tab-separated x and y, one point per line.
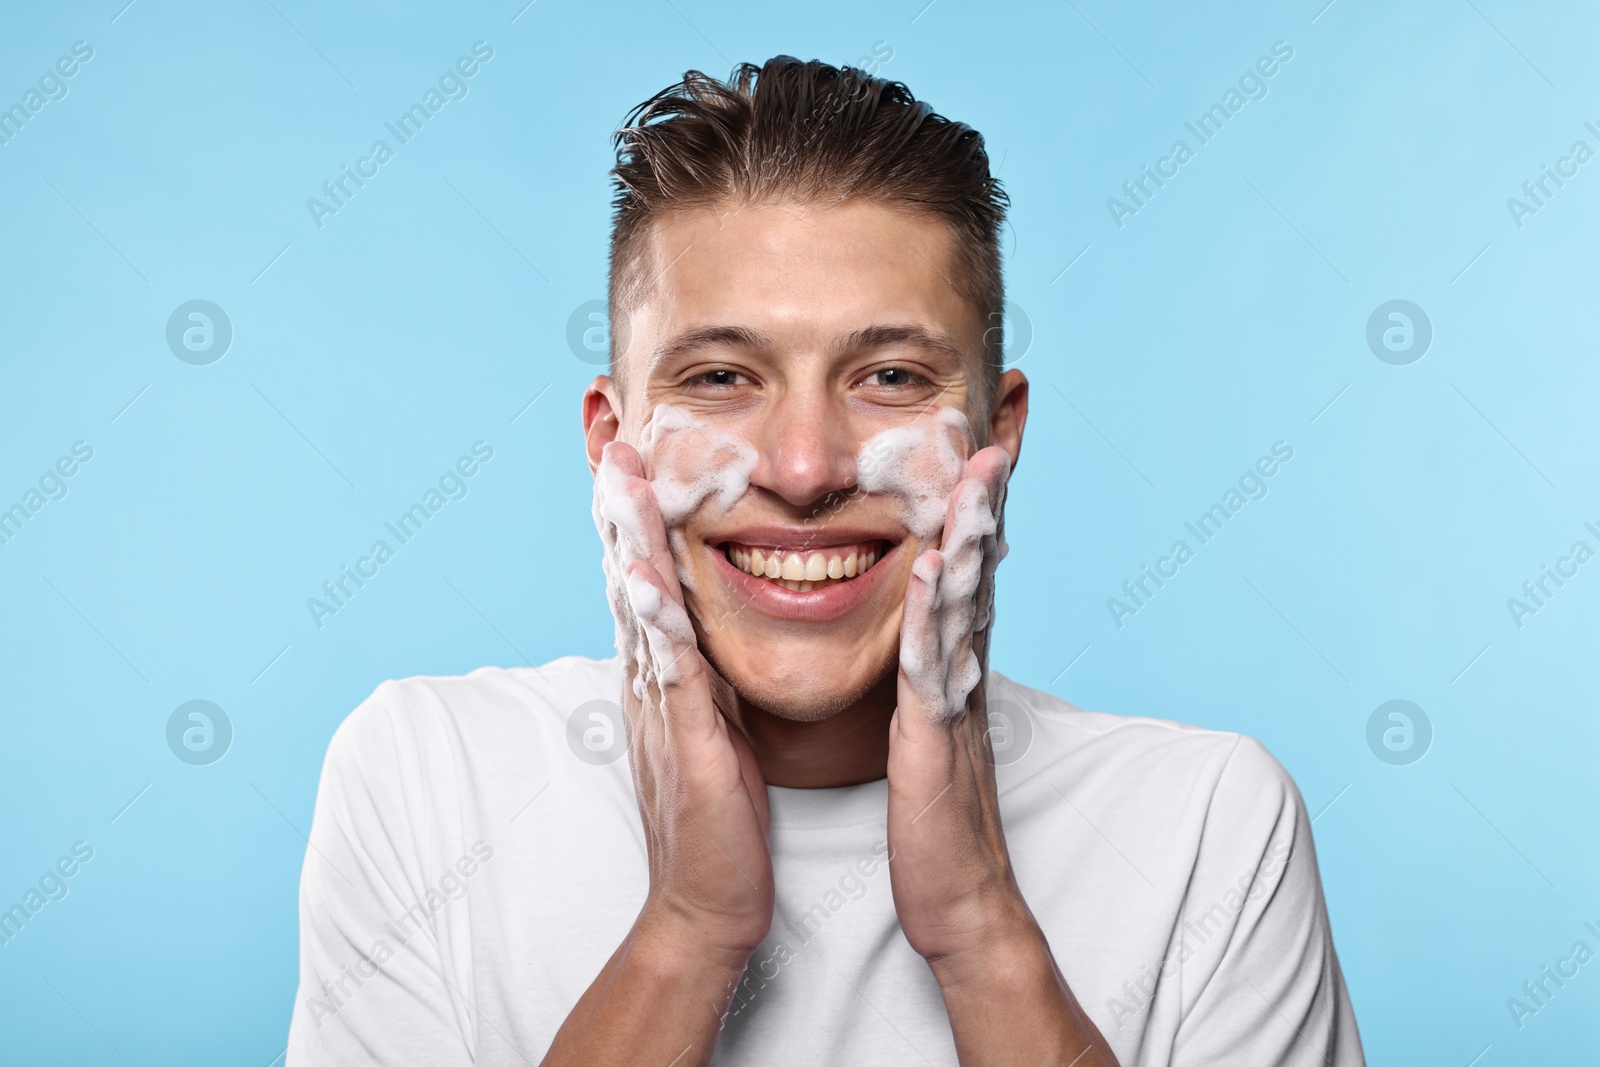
475	861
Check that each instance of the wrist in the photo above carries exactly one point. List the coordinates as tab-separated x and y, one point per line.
1007	949
670	940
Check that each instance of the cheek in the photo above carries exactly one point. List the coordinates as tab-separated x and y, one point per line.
692	468
918	466
934	467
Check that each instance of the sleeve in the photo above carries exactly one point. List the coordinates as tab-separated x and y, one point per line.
376	981
1261	982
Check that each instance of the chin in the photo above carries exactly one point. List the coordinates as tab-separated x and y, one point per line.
805	694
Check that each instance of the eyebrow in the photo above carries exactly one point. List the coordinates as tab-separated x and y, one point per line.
869	337
712	337
908	336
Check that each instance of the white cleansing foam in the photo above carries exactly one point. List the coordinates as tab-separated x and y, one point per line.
918	465
692	468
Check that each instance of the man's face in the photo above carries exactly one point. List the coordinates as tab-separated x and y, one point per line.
801	331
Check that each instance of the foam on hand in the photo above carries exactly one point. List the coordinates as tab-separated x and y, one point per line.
612	505
963	600
622	539
666	628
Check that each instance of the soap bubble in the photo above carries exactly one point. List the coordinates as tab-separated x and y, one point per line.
693	467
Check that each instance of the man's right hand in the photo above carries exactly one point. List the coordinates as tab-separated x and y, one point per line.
701	795
702	800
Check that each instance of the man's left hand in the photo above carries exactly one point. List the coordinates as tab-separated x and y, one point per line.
954	889
953	885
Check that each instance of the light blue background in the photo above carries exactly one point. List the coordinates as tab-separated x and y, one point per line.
427	314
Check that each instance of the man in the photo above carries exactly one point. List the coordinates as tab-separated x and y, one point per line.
810	854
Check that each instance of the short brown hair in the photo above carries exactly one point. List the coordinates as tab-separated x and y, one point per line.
806	131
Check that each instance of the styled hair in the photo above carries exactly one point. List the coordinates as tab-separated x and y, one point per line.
807	132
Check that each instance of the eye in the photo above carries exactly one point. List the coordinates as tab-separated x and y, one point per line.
721	378
894	378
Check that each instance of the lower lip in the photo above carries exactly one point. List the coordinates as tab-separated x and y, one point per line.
817	605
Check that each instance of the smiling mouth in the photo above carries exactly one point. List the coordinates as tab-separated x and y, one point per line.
801	571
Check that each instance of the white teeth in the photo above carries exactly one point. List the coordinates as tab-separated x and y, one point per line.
801	572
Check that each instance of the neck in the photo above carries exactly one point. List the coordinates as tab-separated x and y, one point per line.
846	748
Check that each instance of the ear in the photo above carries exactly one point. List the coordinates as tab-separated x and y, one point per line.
1008	414
602	418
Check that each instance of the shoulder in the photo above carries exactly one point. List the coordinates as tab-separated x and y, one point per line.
1065	729
409	725
1146	762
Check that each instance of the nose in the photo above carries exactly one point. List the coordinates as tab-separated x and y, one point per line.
806	449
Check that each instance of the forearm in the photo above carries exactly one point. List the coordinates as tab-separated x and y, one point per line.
1008	1003
659	999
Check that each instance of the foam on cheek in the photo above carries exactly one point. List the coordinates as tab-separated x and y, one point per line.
691	467
918	465
692	470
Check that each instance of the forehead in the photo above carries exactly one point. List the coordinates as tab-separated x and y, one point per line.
802	274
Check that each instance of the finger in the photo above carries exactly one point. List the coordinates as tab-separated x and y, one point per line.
989	467
618	523
674	660
626	501
969	520
921	684
618	462
997	477
626	458
964	592
663	621
993	466
653	529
